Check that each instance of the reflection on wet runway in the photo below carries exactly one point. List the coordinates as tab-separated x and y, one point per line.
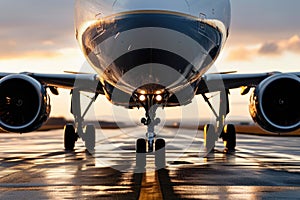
35	166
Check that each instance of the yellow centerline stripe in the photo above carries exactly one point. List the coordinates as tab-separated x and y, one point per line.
150	188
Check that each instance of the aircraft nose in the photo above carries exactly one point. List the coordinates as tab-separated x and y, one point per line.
181	6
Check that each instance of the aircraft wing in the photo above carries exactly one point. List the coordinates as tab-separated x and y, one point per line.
83	82
219	82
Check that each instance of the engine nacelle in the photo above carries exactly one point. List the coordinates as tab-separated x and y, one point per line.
24	104
275	103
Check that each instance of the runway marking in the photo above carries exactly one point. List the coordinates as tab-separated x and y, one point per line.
257	170
150	188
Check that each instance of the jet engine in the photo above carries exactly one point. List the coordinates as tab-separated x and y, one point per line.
24	103
275	103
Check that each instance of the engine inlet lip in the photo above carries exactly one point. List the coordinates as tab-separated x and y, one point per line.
37	87
266	83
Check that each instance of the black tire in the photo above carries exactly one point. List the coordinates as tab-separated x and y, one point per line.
70	137
140	154
209	138
229	137
90	137
141	146
160	153
160	144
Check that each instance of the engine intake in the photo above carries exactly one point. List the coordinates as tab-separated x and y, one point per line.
24	104
275	103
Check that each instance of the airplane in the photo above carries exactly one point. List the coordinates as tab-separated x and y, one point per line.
151	54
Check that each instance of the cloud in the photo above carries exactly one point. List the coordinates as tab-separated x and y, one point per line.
240	53
35	28
293	44
30	54
270	49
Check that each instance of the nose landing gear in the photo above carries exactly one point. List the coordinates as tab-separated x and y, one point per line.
148	145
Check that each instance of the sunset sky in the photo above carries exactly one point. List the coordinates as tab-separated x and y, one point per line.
39	36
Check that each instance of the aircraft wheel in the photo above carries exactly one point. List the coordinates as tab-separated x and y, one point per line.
70	137
229	137
90	136
209	138
141	153
160	153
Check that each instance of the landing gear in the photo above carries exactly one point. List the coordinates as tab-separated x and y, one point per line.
148	145
151	138
209	138
70	137
89	137
229	137
141	153
141	146
160	153
150	121
226	132
73	132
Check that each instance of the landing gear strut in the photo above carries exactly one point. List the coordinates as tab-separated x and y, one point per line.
73	132
150	121
226	132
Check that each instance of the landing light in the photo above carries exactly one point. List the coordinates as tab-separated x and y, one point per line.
158	98
142	97
159	92
142	91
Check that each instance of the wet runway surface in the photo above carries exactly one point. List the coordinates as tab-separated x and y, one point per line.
35	166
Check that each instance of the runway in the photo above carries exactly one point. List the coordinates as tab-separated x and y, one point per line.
35	166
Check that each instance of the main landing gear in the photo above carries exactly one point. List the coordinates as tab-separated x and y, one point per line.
225	131
78	130
150	145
